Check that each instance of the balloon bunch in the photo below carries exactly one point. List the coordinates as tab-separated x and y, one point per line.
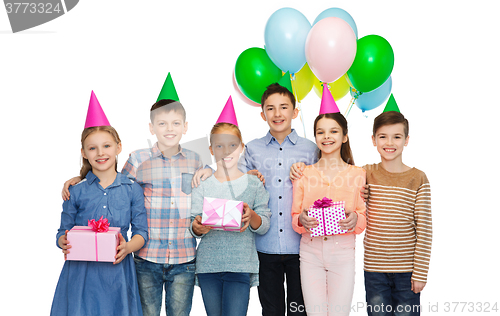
328	51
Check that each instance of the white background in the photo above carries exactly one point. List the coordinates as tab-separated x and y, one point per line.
445	81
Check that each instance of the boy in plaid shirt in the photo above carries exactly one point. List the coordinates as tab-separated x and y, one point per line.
165	172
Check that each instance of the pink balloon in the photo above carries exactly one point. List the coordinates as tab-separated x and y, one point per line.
330	48
241	95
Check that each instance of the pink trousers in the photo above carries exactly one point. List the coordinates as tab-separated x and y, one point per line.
327	274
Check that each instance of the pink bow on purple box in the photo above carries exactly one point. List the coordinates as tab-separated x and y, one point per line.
222	214
328	214
322	203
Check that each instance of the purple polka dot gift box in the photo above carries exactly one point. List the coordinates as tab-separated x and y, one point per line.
328	214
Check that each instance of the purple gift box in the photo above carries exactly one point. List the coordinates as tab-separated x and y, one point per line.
328	214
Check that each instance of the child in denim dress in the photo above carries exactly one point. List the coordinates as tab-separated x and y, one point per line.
101	288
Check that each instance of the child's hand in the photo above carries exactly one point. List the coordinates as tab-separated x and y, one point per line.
200	175
296	170
122	249
65	191
198	228
259	175
64	243
350	222
250	218
365	192
417	286
246	218
307	221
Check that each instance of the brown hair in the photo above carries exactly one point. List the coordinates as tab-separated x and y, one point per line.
345	149
167	105
86	167
276	88
226	126
390	118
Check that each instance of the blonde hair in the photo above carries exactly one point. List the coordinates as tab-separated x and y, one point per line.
86	167
219	127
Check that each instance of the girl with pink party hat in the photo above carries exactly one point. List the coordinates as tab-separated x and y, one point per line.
327	262
94	287
226	261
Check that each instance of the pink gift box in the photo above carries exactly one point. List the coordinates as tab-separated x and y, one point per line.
328	218
87	245
222	214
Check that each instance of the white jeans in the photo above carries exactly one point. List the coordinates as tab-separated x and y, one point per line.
327	274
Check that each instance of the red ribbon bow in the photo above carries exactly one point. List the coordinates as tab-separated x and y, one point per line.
322	203
100	226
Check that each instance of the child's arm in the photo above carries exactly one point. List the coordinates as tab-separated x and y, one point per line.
125	248
201	175
259	175
260	219
423	229
417	286
365	192
139	225
296	170
197	229
301	222
68	216
63	243
356	219
65	191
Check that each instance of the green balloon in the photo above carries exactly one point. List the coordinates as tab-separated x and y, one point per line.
254	71
373	63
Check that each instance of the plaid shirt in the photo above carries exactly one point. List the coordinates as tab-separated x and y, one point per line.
167	187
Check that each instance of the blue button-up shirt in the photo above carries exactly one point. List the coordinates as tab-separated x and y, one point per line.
122	203
274	160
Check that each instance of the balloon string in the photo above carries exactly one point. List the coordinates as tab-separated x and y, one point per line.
294	91
353	100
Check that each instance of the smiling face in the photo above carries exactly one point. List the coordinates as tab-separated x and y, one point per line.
226	147
329	136
278	112
100	149
168	128
390	141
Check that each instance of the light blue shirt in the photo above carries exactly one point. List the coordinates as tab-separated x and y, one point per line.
274	160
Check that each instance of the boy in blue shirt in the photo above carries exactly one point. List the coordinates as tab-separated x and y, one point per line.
272	156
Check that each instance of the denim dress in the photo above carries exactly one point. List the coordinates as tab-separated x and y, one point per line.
101	288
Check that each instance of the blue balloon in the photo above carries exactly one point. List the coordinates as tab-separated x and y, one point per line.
338	13
369	100
285	39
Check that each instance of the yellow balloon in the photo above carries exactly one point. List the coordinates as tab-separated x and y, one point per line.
338	88
303	82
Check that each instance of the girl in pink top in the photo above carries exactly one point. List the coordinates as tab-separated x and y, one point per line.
327	262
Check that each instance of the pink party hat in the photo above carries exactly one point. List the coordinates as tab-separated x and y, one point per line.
228	115
95	114
328	104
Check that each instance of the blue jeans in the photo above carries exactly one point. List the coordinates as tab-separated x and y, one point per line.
390	294
178	280
225	293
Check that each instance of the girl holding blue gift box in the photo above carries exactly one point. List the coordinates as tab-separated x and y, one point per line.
227	264
327	262
91	287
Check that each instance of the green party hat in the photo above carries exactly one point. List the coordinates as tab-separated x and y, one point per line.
285	82
391	105
168	90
